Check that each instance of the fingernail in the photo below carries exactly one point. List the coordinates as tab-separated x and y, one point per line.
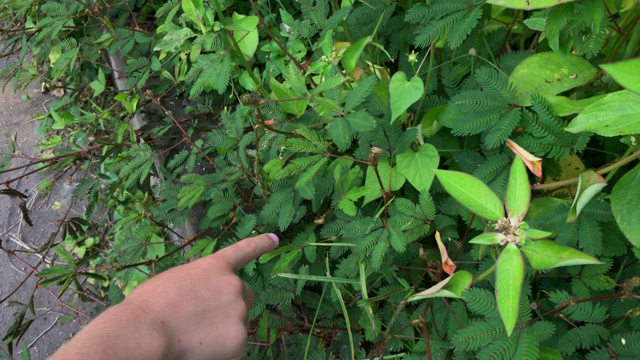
274	237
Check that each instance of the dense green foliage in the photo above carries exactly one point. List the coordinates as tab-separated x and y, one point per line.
325	122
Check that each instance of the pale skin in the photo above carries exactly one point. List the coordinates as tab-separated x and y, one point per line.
194	311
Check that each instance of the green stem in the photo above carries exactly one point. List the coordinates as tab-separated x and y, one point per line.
613	167
484	274
239	54
613	172
633	43
345	313
426	84
313	324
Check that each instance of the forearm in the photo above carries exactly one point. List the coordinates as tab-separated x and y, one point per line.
125	331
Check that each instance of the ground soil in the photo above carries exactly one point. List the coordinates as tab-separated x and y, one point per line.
53	322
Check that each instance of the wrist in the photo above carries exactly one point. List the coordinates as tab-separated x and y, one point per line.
124	331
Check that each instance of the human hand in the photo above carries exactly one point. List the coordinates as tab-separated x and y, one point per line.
194	311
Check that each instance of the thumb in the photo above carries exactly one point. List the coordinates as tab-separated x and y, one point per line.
244	251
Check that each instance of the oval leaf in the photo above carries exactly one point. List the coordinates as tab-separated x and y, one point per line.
564	106
472	193
418	167
403	93
391	179
245	32
549	73
616	114
352	54
527	4
451	287
518	191
546	254
490	238
281	92
589	185
626	73
535	234
509	278
625	205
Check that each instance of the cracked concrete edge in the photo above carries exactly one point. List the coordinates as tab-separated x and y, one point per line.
53	322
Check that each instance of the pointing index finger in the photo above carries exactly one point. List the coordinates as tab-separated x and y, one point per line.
244	251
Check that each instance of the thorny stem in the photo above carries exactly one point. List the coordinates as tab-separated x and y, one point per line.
614	166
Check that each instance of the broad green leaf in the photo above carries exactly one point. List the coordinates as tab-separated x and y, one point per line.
549	73
472	193
403	93
509	278
429	124
245	32
418	166
352	54
518	191
537	24
527	4
489	238
564	106
626	73
616	114
589	184
194	9
391	179
625	205
547	254
535	234
291	103
448	116
451	287
155	248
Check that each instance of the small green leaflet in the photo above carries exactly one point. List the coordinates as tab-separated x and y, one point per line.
418	166
290	102
509	278
472	193
99	84
346	203
194	10
403	93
